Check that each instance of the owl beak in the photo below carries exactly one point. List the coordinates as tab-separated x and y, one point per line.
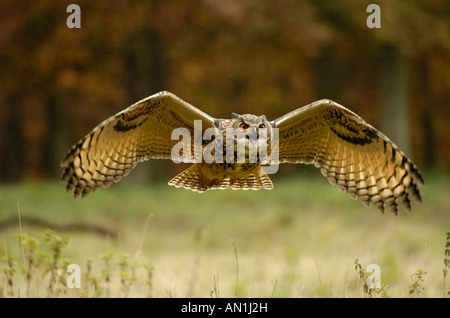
252	135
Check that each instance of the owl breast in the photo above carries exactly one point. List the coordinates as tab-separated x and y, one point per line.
242	149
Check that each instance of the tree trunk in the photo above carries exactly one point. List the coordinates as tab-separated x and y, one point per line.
394	111
146	73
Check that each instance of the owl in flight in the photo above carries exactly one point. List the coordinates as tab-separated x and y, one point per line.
352	154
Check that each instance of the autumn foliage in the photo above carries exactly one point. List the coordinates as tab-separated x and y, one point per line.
262	57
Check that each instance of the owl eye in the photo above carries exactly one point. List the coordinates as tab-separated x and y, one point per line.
262	126
243	126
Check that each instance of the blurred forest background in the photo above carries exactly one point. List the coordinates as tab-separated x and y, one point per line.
262	57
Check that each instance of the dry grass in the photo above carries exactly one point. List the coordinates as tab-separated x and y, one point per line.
299	240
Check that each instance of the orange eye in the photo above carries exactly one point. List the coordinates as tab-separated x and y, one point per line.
262	126
243	126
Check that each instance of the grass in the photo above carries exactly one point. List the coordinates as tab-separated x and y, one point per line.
299	240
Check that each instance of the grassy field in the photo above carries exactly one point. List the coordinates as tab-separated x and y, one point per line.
299	240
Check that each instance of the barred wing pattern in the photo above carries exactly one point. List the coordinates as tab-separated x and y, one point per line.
353	155
140	132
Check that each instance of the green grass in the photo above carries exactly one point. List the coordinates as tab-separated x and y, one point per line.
299	240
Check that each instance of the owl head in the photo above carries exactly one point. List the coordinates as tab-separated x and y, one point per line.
251	130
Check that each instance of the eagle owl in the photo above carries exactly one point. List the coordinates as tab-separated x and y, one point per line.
352	154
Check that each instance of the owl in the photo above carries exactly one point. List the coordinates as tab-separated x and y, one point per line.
241	152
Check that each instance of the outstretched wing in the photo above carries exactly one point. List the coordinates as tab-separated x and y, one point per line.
352	154
142	131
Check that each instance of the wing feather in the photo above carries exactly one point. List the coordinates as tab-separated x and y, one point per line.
352	154
140	132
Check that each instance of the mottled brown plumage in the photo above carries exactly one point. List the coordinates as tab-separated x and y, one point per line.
353	155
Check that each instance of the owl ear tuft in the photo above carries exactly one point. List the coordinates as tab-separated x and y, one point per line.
263	117
217	122
235	116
